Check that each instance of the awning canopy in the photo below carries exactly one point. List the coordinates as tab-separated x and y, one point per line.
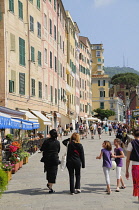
27	125
31	116
45	120
92	119
5	121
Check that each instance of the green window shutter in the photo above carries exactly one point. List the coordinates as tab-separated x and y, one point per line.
51	60
31	23
98	82
55	5
101	105
33	87
11	5
22	83
39	58
21	51
40	89
38	4
20	10
103	93
32	54
11	86
51	93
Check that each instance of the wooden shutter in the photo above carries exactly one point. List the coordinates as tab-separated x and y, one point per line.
22	83
12	42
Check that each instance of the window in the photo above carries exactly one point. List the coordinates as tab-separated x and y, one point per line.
103	82
99	60
12	42
85	85
63	47
40	89
55	96
51	93
45	55
33	87
21	51
102	93
22	83
60	42
63	73
97	53
50	21
39	58
55	5
46	92
86	108
55	63
39	29
11	86
55	32
101	105
20	10
45	21
51	66
38	4
32	54
31	23
61	94
11	6
31	1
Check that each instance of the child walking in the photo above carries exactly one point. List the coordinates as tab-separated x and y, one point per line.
119	155
107	163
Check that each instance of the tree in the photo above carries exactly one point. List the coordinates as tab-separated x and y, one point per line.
128	79
102	113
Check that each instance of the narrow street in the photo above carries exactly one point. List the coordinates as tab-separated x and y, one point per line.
27	189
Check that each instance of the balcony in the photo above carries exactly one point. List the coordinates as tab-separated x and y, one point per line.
68	69
68	88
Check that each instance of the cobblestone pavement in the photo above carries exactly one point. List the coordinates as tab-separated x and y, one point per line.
27	189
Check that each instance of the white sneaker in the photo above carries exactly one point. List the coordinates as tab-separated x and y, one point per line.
78	191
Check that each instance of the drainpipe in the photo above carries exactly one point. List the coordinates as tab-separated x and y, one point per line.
28	37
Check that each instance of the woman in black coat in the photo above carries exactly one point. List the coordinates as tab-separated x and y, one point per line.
75	159
51	148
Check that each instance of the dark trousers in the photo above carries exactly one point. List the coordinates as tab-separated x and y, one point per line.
74	169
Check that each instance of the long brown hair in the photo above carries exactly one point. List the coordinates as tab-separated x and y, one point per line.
120	143
108	145
75	137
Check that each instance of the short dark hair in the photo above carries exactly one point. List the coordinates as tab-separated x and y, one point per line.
53	133
108	145
136	132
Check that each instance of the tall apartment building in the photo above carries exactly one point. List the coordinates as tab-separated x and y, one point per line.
100	81
32	57
71	69
85	77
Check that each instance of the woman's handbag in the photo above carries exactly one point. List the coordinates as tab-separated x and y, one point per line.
63	162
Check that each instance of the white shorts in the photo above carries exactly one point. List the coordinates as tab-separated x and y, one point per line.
118	172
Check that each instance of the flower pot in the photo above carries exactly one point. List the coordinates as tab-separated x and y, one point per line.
25	160
20	164
9	175
15	168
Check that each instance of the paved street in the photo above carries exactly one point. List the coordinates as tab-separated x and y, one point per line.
27	189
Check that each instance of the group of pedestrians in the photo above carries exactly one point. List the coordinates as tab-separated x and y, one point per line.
76	160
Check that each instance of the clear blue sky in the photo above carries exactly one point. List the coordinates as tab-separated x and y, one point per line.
115	23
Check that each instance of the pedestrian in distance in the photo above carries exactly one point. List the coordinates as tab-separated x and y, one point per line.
81	131
71	127
50	149
77	127
133	155
106	128
119	155
110	128
92	131
75	159
99	129
59	131
106	154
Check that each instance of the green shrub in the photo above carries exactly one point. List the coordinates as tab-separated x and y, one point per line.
3	181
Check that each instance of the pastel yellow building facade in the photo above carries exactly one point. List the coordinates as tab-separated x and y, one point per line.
100	81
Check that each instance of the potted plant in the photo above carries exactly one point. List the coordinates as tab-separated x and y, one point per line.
14	159
3	181
25	155
7	167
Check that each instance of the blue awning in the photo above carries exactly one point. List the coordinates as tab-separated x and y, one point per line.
16	124
5	122
27	125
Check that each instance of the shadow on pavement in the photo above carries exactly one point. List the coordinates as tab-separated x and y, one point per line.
35	191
